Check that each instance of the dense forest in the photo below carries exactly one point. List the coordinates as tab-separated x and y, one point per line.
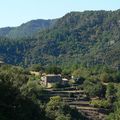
87	38
26	30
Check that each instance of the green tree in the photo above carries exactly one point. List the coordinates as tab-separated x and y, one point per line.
36	67
106	77
53	106
53	70
93	89
63	117
111	92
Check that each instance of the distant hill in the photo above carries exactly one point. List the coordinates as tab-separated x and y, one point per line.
5	31
88	38
26	30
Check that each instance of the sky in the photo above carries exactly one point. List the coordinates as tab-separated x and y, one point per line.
16	12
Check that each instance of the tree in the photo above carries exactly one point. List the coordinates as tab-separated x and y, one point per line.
15	106
63	117
36	67
93	89
111	92
53	106
57	110
105	77
53	70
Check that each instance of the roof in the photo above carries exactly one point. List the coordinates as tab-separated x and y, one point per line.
53	75
65	79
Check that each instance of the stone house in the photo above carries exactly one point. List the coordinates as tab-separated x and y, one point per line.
50	79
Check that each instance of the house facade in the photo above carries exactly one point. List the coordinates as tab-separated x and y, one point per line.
50	79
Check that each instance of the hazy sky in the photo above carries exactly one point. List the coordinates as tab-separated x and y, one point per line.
16	12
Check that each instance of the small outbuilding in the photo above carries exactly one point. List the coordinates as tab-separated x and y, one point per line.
65	81
1	63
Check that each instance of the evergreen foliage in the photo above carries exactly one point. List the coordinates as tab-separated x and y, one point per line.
87	38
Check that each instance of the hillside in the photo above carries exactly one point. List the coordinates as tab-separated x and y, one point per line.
26	30
5	31
88	38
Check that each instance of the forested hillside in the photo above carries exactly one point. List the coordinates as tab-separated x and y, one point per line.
26	30
87	38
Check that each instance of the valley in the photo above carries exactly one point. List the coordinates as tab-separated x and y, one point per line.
61	69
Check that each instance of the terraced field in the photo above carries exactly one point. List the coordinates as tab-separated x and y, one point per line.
77	99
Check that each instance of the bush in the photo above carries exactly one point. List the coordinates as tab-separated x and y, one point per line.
53	70
36	67
100	103
63	117
94	88
79	80
111	92
105	77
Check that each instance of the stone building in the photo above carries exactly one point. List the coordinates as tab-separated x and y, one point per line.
50	79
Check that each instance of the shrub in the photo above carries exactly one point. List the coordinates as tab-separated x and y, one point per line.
94	88
111	92
53	70
105	77
100	103
63	117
